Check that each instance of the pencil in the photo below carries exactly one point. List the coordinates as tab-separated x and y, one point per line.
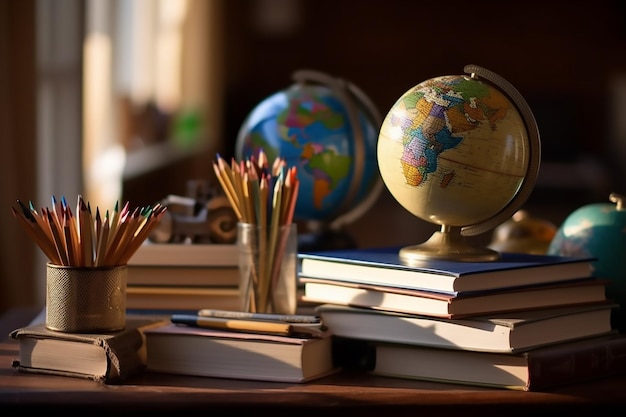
40	220
35	233
134	221
79	240
98	231
253	326
235	178
55	230
68	236
85	232
278	328
274	225
239	315
227	189
153	217
264	197
103	239
113	227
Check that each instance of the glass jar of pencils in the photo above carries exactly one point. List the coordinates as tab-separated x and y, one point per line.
268	268
85	299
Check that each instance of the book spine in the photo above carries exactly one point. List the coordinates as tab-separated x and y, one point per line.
568	364
25	369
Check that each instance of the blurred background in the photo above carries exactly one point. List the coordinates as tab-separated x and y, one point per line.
129	99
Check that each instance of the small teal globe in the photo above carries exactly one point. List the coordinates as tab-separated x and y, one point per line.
329	131
599	230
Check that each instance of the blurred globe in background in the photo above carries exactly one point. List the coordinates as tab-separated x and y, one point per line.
327	128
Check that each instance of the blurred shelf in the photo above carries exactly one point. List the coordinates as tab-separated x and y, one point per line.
585	175
153	157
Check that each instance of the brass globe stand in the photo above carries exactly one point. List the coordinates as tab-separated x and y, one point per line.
448	245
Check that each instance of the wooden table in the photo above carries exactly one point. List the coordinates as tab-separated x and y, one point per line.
356	393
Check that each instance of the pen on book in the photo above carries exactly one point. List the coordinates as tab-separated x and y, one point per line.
246	326
241	315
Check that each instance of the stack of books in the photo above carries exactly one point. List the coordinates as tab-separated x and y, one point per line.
208	343
183	277
527	322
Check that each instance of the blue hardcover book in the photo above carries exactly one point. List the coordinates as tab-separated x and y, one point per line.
383	267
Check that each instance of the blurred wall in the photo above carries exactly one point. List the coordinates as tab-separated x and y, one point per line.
17	156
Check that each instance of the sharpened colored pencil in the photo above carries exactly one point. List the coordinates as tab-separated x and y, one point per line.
79	240
263	195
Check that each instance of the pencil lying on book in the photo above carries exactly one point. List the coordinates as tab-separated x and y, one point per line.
242	315
247	326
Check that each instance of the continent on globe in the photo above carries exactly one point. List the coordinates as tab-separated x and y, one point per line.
443	107
326	168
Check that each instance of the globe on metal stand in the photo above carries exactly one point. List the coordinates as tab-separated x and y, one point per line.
328	128
446	243
463	152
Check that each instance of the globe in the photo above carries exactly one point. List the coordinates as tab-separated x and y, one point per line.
523	233
327	128
462	152
598	230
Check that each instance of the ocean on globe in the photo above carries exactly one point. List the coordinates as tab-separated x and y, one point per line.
314	127
453	150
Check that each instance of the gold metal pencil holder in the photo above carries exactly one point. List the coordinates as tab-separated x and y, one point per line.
85	299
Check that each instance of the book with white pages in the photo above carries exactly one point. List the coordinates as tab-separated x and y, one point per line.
507	332
185	254
429	303
383	267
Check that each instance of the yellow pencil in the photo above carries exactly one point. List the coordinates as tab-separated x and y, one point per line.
55	230
222	172
235	176
227	191
70	244
103	240
262	225
272	241
85	233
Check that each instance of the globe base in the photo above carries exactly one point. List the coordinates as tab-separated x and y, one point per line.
446	245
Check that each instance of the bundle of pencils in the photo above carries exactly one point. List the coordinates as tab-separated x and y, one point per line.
85	240
263	195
